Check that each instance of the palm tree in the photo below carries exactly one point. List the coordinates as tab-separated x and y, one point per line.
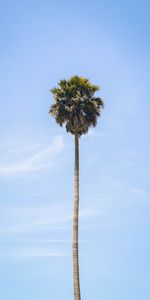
77	109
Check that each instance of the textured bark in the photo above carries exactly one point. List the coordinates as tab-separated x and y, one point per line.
76	279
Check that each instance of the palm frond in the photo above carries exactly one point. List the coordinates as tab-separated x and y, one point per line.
75	105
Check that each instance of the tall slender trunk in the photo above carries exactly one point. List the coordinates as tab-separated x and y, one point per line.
75	223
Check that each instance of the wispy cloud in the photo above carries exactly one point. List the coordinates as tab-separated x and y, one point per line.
95	133
37	218
19	239
36	240
31	253
35	160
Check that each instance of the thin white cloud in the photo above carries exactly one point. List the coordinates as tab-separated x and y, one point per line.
95	133
35	219
36	240
137	191
36	161
34	225
31	253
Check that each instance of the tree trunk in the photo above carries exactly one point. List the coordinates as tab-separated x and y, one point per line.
75	223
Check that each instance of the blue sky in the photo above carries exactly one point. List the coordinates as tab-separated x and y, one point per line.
42	42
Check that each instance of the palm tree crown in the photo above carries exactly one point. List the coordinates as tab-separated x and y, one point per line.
75	105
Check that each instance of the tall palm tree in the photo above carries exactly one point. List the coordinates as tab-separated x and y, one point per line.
76	107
